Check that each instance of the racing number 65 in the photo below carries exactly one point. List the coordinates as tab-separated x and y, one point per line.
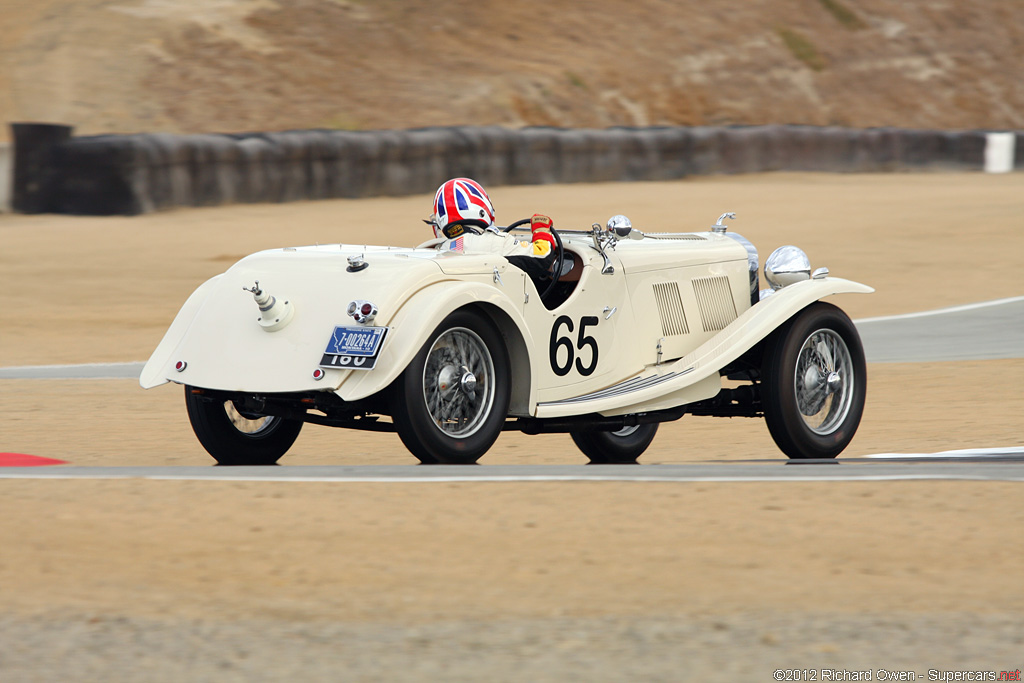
582	340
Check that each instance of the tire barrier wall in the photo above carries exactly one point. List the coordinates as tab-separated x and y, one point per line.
132	174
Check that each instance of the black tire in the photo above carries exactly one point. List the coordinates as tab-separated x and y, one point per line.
236	439
621	447
814	381
435	383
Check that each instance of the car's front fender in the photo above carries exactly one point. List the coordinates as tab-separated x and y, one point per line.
694	376
767	315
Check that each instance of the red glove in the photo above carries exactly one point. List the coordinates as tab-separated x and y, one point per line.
541	226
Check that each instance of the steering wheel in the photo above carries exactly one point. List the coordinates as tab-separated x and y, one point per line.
559	255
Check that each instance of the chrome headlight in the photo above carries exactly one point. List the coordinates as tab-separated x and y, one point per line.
619	226
787	265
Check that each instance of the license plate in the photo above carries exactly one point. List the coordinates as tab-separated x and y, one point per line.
353	348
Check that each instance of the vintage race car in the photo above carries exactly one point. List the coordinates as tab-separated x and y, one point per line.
630	329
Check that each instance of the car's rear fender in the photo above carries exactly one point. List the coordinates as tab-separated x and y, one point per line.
419	316
155	371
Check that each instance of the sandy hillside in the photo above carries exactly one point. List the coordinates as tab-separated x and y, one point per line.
230	65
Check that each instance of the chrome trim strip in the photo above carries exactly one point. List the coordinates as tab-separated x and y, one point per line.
627	387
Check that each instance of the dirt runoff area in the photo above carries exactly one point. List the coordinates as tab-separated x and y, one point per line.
164	580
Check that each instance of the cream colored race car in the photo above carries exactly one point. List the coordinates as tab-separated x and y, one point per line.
450	348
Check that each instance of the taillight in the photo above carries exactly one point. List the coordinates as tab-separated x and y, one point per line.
362	311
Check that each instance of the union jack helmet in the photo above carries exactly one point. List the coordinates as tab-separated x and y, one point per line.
461	202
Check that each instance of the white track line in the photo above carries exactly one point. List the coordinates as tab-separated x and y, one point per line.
78	371
512	478
942	311
962	453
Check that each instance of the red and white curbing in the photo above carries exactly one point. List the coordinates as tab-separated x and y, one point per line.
23	460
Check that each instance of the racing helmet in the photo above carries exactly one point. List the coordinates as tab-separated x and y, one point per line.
461	202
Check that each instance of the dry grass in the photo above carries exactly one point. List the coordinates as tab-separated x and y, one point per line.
843	14
802	48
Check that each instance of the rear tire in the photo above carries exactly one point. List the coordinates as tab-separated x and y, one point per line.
621	447
236	439
814	383
450	404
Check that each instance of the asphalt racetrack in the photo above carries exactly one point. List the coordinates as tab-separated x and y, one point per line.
989	465
985	330
981	331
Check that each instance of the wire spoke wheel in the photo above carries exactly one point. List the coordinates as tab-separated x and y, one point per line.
235	437
824	381
620	447
814	382
451	401
252	426
458	382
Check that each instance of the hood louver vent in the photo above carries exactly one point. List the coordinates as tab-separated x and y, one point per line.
685	236
670	308
714	296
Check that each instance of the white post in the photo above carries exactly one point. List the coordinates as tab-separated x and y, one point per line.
6	175
999	152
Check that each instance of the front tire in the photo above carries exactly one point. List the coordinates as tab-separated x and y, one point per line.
236	439
814	383
450	403
621	447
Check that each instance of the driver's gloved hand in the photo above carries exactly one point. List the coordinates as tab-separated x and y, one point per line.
541	226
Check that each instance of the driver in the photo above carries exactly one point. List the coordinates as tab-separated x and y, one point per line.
464	217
